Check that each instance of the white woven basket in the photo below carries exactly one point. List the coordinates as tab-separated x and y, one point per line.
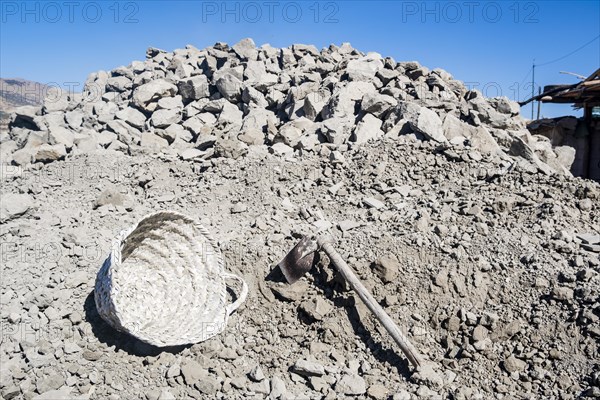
164	282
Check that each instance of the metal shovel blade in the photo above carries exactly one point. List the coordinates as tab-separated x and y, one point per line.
299	260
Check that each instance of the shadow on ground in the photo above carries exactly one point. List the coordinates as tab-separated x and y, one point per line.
331	285
121	341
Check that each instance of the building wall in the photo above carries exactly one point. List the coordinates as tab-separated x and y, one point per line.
594	151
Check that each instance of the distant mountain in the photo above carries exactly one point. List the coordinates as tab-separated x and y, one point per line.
17	92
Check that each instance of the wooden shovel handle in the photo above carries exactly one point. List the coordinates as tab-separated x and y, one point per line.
350	277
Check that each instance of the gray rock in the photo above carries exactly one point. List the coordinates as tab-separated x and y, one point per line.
252	137
192	372
336	130
61	135
125	133
429	124
367	129
364	68
56	100
513	364
50	382
281	149
351	384
152	142
343	101
314	103
118	84
255	71
387	268
289	134
169	103
208	385
48	153
191	154
256	374
194	88
317	308
132	116
230	148
428	376
110	196
164	118
374	203
14	206
71	348
230	87
309	368
246	49
152	91
63	393
278	389
165	394
377	104
230	115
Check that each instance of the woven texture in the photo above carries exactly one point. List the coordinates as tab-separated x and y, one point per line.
164	282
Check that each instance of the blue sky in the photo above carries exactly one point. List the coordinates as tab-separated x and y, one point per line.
487	44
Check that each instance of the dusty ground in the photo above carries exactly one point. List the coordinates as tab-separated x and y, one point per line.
482	268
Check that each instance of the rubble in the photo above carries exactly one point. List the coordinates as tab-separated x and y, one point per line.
485	255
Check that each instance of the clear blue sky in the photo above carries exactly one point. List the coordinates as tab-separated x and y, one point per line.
488	44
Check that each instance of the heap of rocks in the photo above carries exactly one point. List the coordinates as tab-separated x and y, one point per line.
489	266
197	104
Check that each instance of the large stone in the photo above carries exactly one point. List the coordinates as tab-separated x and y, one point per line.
367	129
289	134
343	101
308	368
336	130
192	372
387	268
14	205
230	148
428	376
230	115
255	70
164	118
64	393
23	156
429	124
61	135
364	68
252	137
153	142
132	116
478	137
246	49
314	103
513	364
377	104
152	91
56	99
194	88
125	133
351	384
317	308
230	87
170	103
48	153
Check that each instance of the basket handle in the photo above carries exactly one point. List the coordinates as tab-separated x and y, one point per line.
241	295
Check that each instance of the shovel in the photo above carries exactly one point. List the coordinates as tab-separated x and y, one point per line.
299	261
